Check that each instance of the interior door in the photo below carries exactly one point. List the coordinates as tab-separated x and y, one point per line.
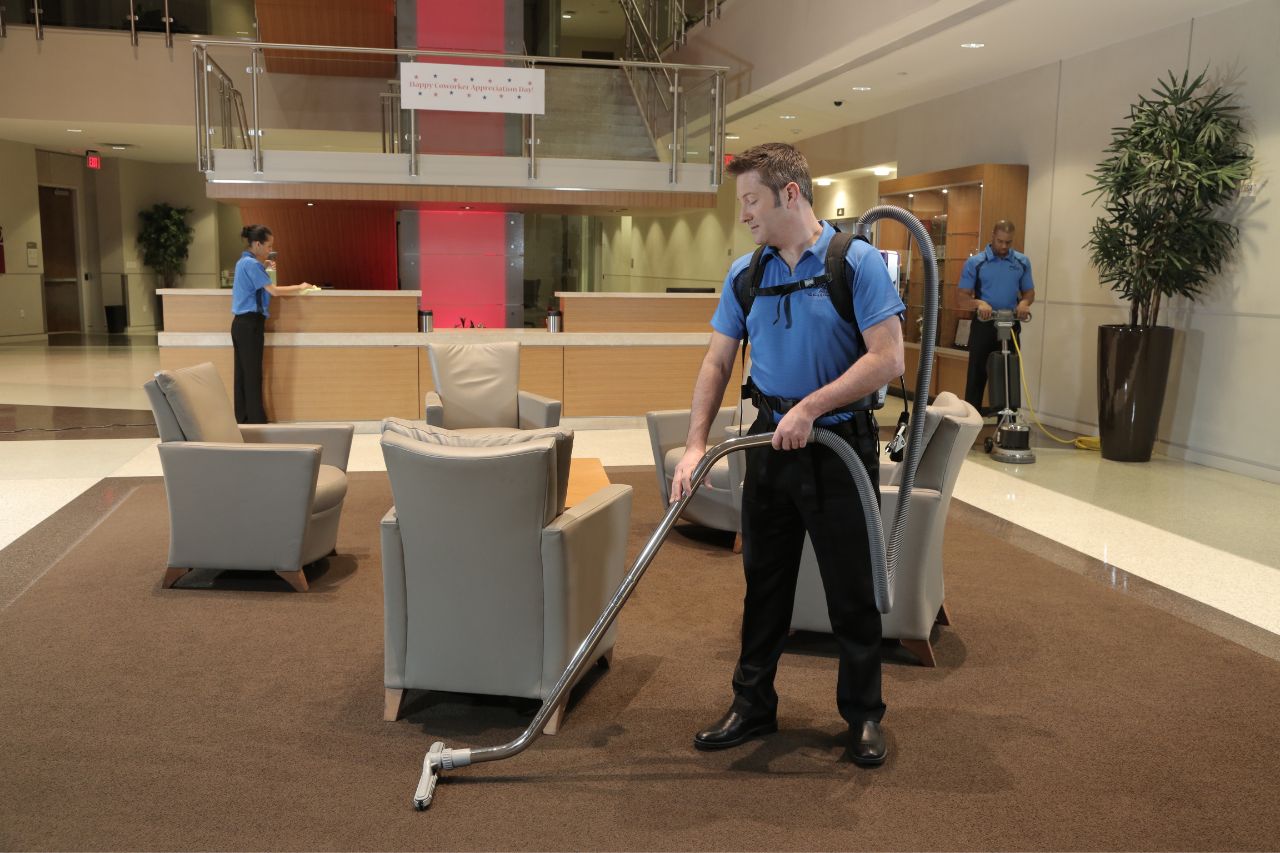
61	277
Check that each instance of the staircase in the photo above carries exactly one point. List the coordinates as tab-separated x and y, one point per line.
592	114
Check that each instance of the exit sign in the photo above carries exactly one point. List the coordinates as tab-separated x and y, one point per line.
92	160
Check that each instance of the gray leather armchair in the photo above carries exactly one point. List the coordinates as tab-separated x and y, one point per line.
477	386
489	584
951	426
263	497
718	503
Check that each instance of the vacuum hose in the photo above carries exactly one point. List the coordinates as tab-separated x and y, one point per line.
884	563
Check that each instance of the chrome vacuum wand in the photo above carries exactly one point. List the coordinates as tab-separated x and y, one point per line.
440	758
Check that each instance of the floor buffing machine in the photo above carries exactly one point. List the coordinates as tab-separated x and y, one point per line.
1012	441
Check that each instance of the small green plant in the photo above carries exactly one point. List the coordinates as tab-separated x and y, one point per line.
1169	174
164	239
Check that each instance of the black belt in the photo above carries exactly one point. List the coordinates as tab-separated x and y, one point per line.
251	314
782	405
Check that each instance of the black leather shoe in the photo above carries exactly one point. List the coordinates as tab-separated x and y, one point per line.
733	729
866	745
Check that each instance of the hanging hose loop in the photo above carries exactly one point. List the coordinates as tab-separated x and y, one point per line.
924	375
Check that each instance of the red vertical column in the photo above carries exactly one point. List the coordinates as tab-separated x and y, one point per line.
462	254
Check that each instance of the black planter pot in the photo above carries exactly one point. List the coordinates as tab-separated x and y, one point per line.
1133	369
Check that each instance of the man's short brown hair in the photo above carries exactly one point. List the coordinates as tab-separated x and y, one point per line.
777	164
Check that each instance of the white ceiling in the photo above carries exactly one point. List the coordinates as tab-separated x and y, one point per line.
929	63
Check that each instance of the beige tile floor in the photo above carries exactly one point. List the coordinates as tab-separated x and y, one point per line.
1204	533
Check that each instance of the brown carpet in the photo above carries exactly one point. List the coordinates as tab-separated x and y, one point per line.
1062	715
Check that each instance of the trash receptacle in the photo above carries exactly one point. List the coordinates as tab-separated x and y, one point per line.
116	319
426	321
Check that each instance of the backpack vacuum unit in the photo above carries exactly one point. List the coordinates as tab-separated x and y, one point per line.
883	557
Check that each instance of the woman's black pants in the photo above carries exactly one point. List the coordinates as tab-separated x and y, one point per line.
248	332
786	494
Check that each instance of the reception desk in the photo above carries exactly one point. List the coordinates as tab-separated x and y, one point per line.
637	312
317	375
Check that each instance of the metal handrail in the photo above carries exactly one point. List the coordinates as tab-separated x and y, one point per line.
392	137
456	54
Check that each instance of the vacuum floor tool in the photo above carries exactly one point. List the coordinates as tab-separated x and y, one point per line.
883	557
1012	441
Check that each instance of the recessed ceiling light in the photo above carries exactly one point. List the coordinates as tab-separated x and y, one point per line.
862	88
786	117
911	195
311	204
74	130
944	192
568	13
882	171
973	45
466	207
732	136
823	182
119	147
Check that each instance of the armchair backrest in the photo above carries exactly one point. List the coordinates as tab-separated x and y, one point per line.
951	425
471	522
191	404
438	435
478	383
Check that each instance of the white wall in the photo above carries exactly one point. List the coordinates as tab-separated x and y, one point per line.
1057	120
21	287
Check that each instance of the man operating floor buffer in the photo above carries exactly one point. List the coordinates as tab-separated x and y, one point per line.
1012	441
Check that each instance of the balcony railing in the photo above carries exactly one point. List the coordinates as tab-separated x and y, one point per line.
230	18
347	99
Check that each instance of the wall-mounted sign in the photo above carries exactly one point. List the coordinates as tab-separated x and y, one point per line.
839	211
472	88
92	160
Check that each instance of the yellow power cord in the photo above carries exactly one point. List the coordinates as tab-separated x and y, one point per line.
1084	442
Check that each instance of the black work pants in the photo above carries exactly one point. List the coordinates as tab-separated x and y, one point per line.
248	333
982	342
786	494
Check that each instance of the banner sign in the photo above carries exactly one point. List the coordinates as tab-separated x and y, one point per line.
472	88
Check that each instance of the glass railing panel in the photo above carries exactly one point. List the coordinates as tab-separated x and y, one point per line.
192	17
332	99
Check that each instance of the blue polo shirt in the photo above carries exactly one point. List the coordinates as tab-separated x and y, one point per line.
792	360
247	286
997	281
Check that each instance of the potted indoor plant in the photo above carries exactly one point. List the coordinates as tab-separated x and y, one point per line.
1166	185
164	239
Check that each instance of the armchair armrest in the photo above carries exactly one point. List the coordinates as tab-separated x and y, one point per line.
238	506
433	409
583	559
536	411
395	602
334	439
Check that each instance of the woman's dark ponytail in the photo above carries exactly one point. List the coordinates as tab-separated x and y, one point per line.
255	233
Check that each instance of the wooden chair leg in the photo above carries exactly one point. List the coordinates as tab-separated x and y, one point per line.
297	580
944	618
553	722
172	576
391	699
921	649
737	543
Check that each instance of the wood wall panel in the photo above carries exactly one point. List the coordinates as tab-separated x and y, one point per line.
349	23
321	313
351	246
637	314
322	383
607	381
